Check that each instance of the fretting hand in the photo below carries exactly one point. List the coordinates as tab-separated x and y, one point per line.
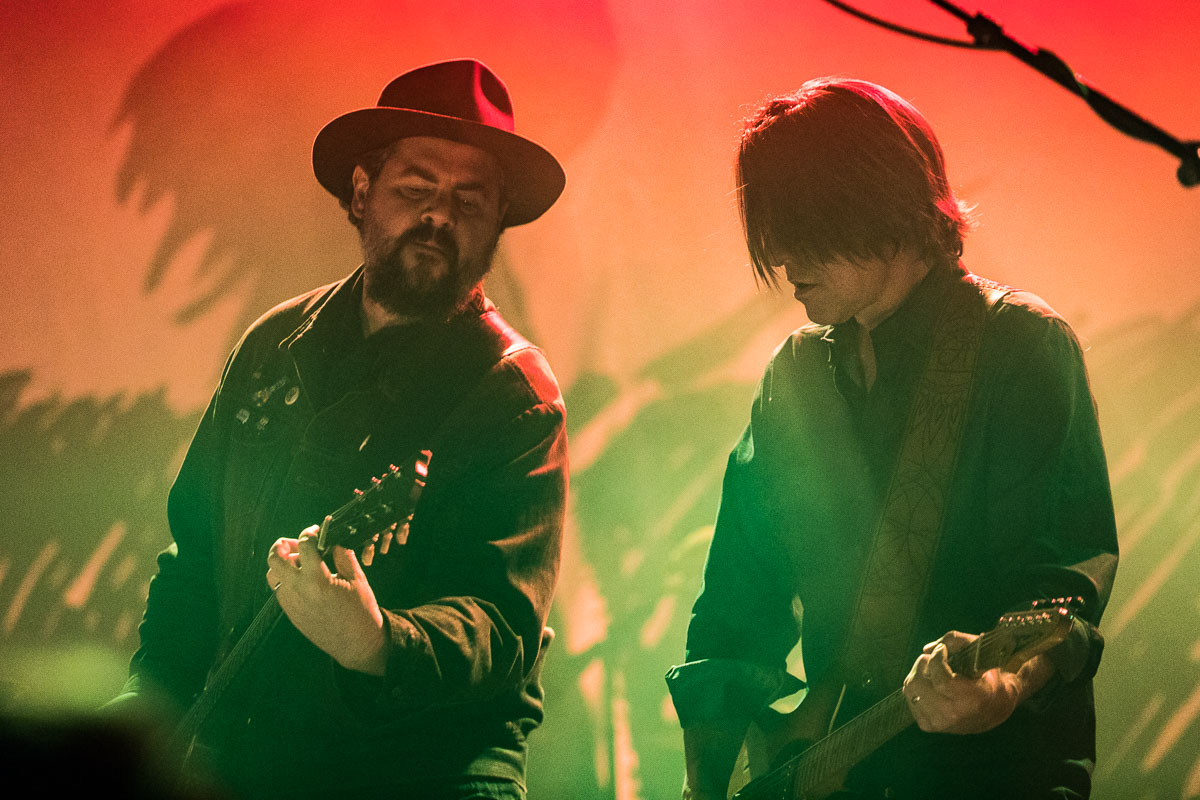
336	611
382	541
945	702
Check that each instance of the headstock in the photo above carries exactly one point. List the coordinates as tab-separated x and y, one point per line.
1020	635
390	499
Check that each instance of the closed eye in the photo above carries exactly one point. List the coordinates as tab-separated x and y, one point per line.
415	190
470	203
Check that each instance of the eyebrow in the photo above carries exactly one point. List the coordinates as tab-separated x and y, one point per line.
423	174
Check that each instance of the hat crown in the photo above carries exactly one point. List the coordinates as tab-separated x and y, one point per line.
462	101
463	89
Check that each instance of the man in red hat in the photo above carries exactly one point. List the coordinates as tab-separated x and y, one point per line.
413	671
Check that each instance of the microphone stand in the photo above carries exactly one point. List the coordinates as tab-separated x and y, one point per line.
989	35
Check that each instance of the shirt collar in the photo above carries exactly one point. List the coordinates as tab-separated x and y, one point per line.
894	337
332	332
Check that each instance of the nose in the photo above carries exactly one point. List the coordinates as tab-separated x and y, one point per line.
439	211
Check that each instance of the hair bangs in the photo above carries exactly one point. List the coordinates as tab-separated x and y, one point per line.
844	168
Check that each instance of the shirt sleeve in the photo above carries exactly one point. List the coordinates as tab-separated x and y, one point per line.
178	632
1049	504
742	625
487	539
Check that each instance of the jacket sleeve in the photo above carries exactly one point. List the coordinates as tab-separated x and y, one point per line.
742	625
487	538
178	632
1049	505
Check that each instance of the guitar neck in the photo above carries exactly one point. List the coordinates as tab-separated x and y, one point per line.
849	744
388	502
223	677
1017	637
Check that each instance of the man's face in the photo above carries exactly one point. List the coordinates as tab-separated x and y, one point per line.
430	223
833	291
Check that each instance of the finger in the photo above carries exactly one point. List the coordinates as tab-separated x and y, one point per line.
310	563
957	640
913	673
306	546
368	554
281	553
938	668
917	705
385	541
920	669
347	565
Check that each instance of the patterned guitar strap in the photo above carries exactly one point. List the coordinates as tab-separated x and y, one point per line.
895	578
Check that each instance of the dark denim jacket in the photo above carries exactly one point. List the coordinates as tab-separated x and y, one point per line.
305	413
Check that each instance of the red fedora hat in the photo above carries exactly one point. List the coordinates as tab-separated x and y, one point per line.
459	100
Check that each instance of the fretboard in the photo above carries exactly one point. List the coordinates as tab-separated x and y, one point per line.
223	677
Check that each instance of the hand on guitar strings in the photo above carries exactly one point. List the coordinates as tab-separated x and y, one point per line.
335	611
943	701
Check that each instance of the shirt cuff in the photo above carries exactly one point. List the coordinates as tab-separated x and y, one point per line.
713	689
1075	660
374	699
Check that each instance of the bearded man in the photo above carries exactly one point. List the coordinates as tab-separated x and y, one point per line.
413	671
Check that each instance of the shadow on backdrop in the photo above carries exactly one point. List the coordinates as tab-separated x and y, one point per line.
222	119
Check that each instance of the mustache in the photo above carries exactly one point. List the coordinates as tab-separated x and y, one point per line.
425	233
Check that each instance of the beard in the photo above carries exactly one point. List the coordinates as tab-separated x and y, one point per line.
397	279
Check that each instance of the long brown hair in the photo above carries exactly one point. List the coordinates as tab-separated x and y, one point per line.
844	168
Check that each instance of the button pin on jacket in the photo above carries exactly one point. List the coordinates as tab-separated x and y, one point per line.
263	395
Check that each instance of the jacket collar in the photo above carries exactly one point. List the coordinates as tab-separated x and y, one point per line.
332	329
905	329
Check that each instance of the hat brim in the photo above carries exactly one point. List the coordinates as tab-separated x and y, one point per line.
533	177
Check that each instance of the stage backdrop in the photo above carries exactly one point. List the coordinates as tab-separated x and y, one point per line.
158	197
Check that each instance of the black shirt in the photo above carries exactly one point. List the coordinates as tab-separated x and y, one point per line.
1029	515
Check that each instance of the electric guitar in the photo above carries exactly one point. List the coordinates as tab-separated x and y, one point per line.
806	754
387	503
